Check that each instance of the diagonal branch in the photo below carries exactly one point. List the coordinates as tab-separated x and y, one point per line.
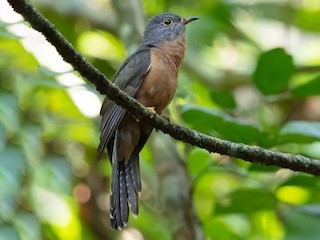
69	54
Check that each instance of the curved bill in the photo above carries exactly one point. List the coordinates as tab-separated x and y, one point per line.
186	20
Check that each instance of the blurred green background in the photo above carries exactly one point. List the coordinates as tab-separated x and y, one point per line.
251	75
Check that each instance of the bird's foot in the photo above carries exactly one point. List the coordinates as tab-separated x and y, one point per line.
152	110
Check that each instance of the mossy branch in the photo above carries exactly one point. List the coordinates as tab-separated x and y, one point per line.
248	153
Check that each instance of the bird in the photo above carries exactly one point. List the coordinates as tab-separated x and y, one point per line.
150	75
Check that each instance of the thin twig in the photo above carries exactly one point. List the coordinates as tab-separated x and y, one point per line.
249	153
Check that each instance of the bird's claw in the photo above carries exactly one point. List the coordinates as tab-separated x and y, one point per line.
153	111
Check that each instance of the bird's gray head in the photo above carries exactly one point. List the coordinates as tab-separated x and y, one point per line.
166	26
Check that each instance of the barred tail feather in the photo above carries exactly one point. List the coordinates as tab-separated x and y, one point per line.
124	189
131	191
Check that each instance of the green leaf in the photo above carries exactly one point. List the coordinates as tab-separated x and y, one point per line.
300	132
308	19
8	206
198	160
223	98
273	72
54	175
211	226
246	201
8	233
9	112
12	166
302	181
214	122
310	209
300	225
31	143
28	226
308	89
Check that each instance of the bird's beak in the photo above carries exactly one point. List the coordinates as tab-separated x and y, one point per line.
186	20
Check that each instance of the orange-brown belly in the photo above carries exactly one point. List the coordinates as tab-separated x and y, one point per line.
160	83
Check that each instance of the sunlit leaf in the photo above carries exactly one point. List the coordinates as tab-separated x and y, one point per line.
51	207
308	89
21	60
101	45
203	197
293	194
308	19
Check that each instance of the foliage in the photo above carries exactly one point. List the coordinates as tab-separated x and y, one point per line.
246	78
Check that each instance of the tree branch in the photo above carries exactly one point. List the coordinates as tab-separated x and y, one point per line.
304	69
69	54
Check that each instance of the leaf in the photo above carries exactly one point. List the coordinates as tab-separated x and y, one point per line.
310	209
246	201
217	123
308	89
225	232
31	144
8	233
300	132
28	226
204	199
273	72
223	98
8	207
308	19
54	175
302	181
9	112
12	166
301	225
198	160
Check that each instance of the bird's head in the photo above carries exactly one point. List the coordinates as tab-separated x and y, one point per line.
166	26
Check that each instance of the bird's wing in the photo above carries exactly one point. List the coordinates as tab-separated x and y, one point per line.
128	78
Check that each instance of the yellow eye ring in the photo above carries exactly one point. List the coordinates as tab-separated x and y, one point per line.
167	22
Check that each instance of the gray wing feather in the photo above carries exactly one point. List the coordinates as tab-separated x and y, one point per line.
128	78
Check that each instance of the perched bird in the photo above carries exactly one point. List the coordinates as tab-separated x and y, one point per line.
150	75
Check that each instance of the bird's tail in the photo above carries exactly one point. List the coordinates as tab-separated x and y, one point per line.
125	187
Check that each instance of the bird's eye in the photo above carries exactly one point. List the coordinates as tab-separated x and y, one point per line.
167	22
